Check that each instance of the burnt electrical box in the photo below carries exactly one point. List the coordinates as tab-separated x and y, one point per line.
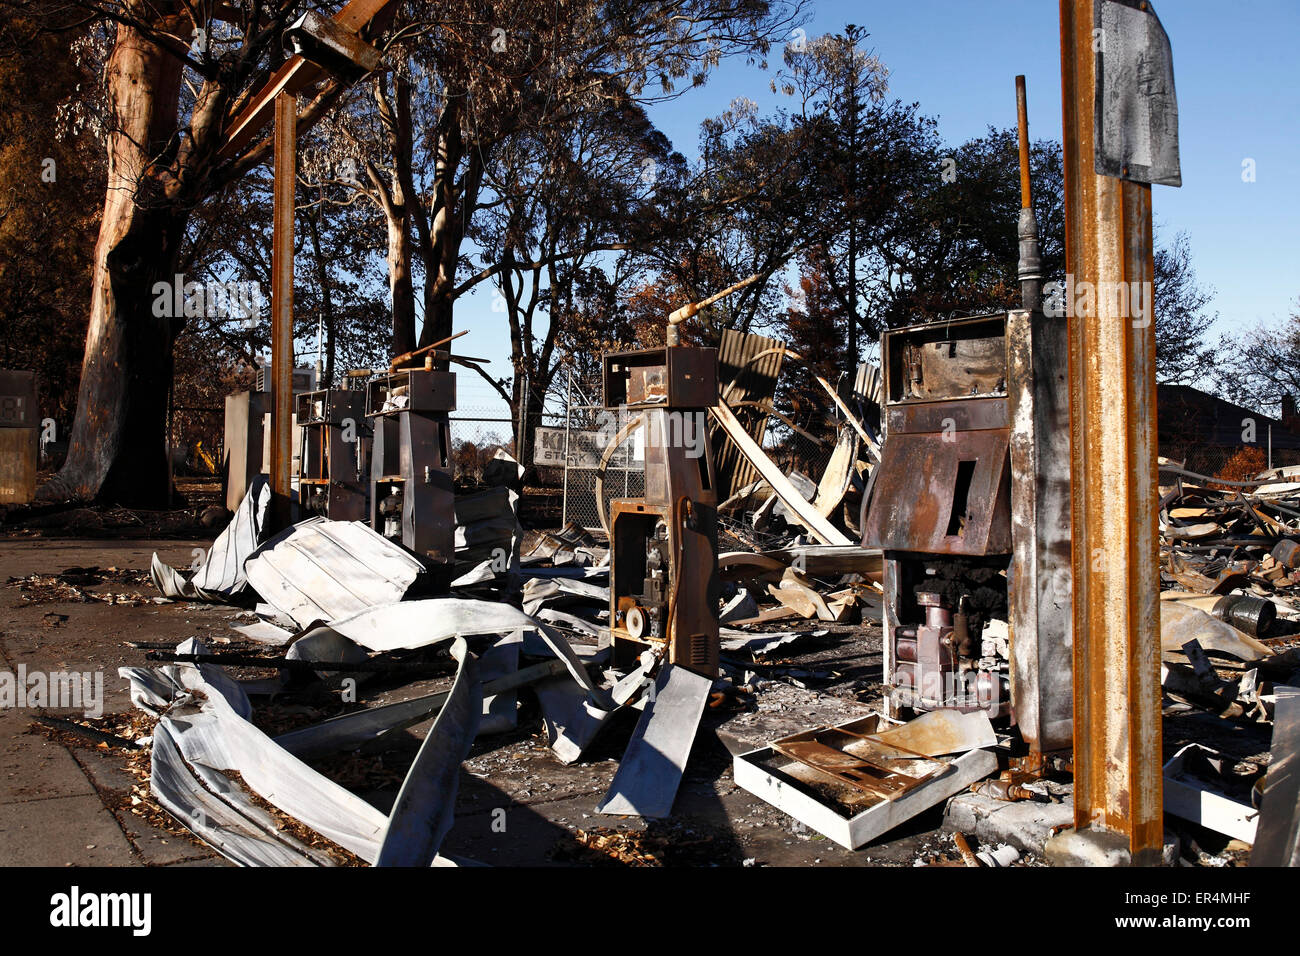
412	500
20	424
967	411
664	584
330	483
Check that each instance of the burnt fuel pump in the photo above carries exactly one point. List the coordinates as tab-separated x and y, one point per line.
412	500
664	584
330	423
976	419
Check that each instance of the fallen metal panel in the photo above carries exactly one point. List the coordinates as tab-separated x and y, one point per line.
1180	623
230	823
500	711
350	731
154	690
203	737
1187	797
780	484
321	570
213	738
571	718
651	770
1277	840
406	625
324	645
757	644
552	616
940	732
264	632
538	591
426	804
573	708
221	575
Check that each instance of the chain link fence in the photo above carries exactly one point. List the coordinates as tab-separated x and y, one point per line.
1239	462
477	431
196	438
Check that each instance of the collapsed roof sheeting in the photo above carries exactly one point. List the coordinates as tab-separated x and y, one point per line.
411	624
426	804
221	574
205	736
321	570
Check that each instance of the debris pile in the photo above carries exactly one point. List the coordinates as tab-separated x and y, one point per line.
1230	571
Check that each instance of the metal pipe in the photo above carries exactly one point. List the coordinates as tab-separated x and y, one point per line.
286	149
1114	480
1030	270
675	319
568	418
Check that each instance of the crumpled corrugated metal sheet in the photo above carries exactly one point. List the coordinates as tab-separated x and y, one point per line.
411	624
221	575
321	570
425	807
203	736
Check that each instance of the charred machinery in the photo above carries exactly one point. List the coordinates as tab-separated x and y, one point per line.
329	479
971	407
664	584
412	500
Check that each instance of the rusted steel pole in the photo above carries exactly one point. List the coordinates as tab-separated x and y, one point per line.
286	149
1022	127
1117	733
1030	266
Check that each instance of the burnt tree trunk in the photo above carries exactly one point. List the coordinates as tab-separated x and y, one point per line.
455	196
117	448
395	198
400	287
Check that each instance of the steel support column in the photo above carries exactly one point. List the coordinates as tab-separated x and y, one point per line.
1113	468
286	149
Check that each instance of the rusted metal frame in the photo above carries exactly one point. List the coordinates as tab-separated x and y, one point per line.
286	150
1113	464
874	772
293	76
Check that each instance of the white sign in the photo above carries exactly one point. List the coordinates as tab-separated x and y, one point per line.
586	448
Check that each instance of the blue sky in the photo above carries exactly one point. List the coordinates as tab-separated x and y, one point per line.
1238	99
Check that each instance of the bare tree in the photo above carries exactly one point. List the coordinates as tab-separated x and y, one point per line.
1182	316
1261	367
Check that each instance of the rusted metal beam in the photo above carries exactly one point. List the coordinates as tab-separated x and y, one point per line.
1113	466
293	76
286	154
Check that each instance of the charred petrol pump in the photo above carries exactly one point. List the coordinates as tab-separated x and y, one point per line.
664	584
330	483
974	433
972	508
941	510
412	500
